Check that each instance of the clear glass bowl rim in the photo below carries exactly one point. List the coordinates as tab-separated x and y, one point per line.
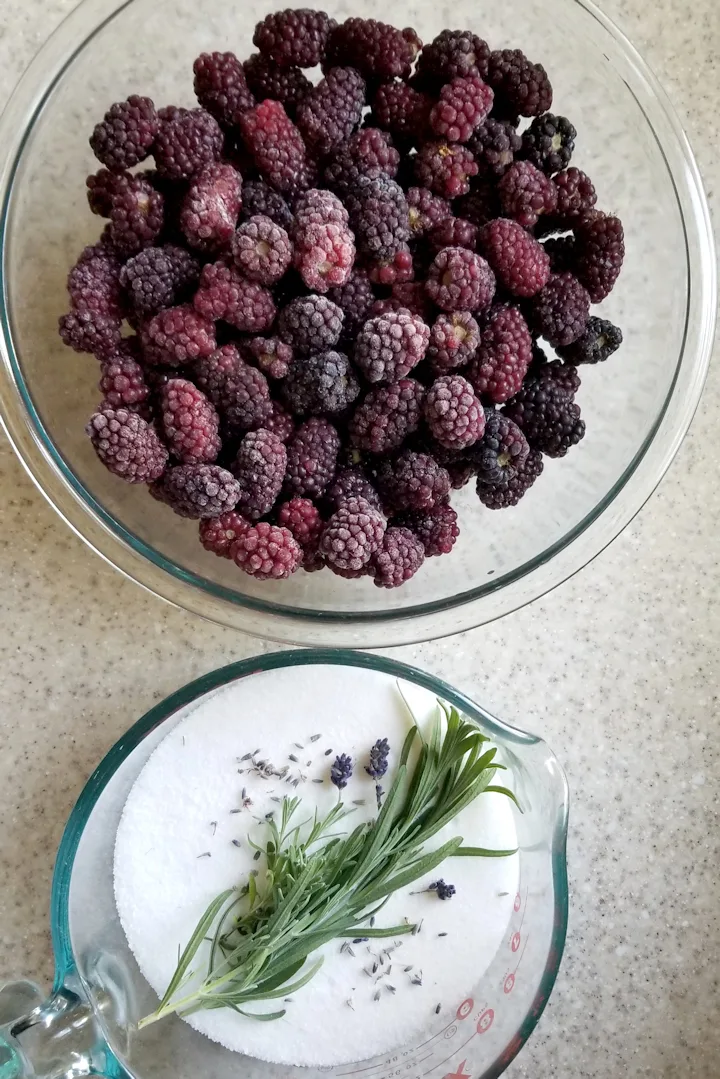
65	967
550	567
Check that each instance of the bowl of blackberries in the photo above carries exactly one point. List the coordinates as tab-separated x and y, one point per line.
343	331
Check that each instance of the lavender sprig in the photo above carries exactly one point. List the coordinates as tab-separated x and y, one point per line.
378	765
341	771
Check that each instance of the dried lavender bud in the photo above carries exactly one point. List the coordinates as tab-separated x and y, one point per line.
341	771
444	891
378	759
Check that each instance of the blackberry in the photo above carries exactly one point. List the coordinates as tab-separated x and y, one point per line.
93	283
387	415
521	85
352	483
549	142
294	37
136	216
497	498
561	252
453	54
277	146
122	379
389	346
259	199
400	557
272	356
302	517
352	535
464	104
403	111
546	412
217	534
176	336
221	87
526	193
321	384
311	324
414	481
453	232
312	456
494	145
101	186
187	140
460	472
211	207
262	250
575	194
500	454
279	421
453	413
127	445
189	422
596	344
288	85
319	207
519	261
332	110
437	529
355	299
159	277
481	205
324	255
446	169
504	355
126	135
225	294
259	467
412	296
239	392
266	552
397	270
376	50
373	149
454	340
426	211
379	216
559	312
86	330
600	253
197	490
460	280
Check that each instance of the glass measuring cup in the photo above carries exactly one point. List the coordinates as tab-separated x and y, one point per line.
87	1024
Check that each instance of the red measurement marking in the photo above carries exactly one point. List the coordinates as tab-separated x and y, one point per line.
515	942
459	1074
465	1008
485	1021
508	984
516	904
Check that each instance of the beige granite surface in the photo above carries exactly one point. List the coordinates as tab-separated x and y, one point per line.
618	669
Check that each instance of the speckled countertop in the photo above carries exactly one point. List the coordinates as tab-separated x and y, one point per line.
618	669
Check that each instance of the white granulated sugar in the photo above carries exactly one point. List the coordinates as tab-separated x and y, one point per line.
181	809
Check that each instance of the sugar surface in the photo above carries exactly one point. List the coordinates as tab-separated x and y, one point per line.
174	852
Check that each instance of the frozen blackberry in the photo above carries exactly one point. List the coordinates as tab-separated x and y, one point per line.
453	232
414	481
379	216
277	146
239	392
397	270
101	186
481	205
92	331
505	353
289	85
389	346
217	534
575	194
187	140
494	145
376	50
279	421
549	142
526	193
412	296
399	558
159	277
136	216
600	253
93	283
176	336
454	340
561	252
453	54
355	299
127	445
262	250
189	422
460	280
126	134
266	552
312	456
352	535
453	413
387	415
519	261
373	149
272	356
403	111
500	454
310	324
258	198
197	490
294	37
302	517
122	380
546	412
320	384
332	110
352	483
437	529
324	255
225	294
319	207
446	169
259	467
211	207
596	344
520	84
559	312
426	211
498	498
221	86
464	103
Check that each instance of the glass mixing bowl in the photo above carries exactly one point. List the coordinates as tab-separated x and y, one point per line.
86	1026
637	407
